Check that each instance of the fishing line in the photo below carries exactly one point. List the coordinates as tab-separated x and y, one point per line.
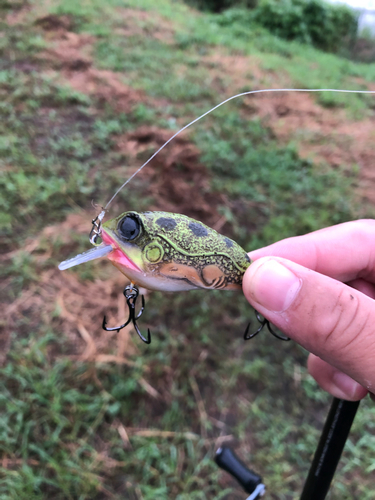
242	94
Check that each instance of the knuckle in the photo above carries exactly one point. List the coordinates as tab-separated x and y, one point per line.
364	226
363	232
342	327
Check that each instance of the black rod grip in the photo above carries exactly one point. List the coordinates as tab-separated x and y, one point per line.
332	441
226	459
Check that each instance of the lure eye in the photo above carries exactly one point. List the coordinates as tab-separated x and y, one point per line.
129	227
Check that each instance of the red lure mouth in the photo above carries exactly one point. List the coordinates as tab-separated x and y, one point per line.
117	255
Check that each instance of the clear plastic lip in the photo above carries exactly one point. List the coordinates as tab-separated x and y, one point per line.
92	254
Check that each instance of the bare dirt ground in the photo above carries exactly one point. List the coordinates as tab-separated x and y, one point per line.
138	22
323	134
79	304
69	59
346	142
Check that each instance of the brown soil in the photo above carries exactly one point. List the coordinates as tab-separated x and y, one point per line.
178	182
105	86
81	305
55	23
17	16
70	55
236	72
323	134
71	51
146	24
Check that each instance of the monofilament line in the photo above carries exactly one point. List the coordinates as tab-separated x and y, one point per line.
242	94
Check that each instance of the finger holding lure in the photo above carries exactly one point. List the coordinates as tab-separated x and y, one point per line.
171	252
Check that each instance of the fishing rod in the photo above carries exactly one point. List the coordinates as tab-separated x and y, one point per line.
327	456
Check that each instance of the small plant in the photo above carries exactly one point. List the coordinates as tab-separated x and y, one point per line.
221	5
314	22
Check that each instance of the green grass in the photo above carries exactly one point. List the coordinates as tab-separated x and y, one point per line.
51	141
146	61
249	164
60	419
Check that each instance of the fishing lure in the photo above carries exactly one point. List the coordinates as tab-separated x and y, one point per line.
171	252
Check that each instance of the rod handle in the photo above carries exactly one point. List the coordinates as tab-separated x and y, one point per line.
227	460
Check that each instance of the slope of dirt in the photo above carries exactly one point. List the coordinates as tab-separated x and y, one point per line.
80	304
177	181
140	22
240	72
323	134
70	56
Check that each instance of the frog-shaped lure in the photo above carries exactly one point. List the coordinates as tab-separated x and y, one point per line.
170	253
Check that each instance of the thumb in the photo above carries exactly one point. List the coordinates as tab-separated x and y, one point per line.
327	317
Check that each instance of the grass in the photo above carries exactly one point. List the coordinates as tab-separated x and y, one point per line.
248	163
63	415
145	60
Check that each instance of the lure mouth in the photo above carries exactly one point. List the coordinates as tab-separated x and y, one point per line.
119	256
92	254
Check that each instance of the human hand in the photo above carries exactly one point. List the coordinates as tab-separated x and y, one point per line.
323	298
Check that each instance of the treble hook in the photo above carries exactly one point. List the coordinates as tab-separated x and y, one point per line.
263	322
131	293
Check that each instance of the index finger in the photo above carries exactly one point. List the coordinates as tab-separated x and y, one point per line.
344	252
